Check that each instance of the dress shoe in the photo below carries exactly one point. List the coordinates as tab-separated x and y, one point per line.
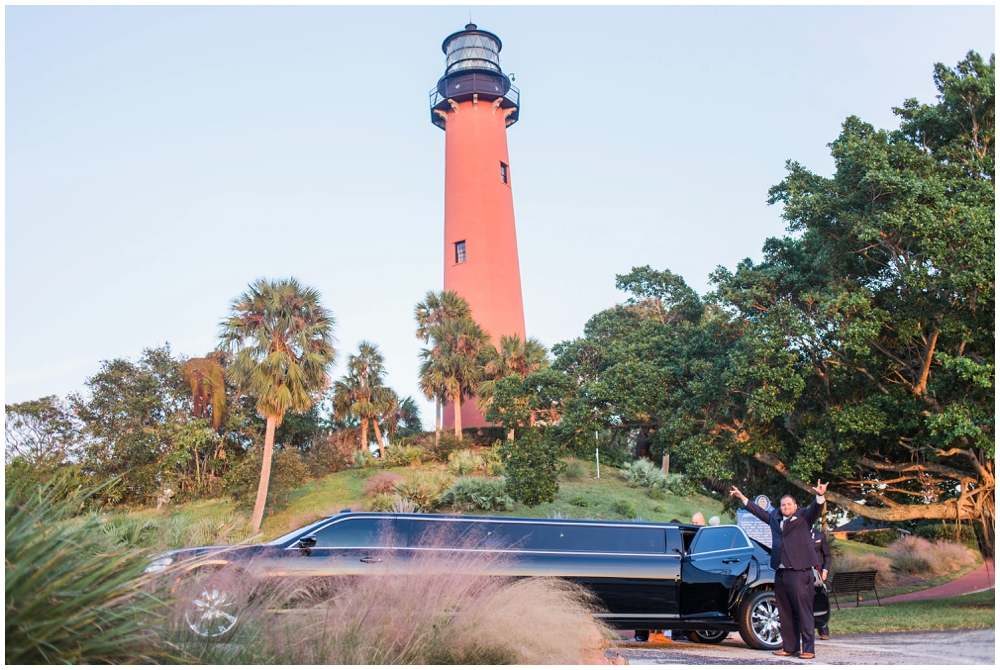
785	653
806	656
824	637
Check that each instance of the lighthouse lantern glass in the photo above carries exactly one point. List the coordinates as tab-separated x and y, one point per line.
472	52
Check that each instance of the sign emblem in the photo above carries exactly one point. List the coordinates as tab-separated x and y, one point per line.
763	503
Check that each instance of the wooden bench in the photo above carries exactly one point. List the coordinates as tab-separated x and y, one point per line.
854	582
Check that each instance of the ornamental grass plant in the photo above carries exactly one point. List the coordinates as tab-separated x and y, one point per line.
74	591
921	557
451	609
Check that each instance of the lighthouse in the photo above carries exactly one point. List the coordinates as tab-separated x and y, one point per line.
474	103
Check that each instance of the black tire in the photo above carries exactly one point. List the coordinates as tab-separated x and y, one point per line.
642	636
707	636
758	620
212	601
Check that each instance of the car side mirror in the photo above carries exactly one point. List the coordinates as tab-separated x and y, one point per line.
307	542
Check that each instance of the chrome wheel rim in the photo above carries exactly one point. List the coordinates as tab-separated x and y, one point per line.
764	621
211	614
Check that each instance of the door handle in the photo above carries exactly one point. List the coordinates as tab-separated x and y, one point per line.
730	560
371	559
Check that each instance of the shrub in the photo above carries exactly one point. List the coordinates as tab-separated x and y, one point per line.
942	531
881	537
642	473
447	444
623	508
409	454
493	460
392	502
222	529
363	459
532	468
917	556
383	482
575	471
477	493
579	501
424	488
656	494
288	472
330	455
72	596
863	563
464	462
646	473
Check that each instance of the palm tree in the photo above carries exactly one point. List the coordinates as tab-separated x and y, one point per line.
435	309
283	343
457	346
513	357
361	391
431	381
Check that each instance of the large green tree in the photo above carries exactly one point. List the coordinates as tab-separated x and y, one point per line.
138	426
282	340
860	348
868	334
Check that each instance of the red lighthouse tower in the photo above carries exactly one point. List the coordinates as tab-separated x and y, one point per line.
474	102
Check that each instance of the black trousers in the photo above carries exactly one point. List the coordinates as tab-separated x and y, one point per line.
793	589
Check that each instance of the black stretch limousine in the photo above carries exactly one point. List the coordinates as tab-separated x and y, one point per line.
705	580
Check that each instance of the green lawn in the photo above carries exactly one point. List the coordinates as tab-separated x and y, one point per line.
977	610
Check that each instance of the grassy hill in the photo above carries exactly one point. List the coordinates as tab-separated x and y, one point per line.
609	497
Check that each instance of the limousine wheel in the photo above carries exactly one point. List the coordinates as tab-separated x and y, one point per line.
708	636
212	603
758	620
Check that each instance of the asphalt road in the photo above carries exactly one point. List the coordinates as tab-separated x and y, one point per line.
939	647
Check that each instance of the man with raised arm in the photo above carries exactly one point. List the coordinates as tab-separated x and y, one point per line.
792	556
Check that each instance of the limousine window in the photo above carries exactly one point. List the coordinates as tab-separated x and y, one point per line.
451	534
538	537
356	533
719	538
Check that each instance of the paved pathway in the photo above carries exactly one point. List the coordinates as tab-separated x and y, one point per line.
980	579
939	647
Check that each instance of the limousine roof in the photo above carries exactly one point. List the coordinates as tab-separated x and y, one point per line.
509	519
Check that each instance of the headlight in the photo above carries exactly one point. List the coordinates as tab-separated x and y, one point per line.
159	564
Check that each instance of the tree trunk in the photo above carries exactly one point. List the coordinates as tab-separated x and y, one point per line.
265	474
364	434
437	420
378	438
458	414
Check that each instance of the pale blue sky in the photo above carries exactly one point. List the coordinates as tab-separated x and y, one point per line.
160	159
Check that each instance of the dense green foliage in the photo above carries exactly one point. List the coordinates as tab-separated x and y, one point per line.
860	349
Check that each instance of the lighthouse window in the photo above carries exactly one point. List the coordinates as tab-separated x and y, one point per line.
460	252
503	172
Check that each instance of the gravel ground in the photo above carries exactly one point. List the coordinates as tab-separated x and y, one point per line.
939	647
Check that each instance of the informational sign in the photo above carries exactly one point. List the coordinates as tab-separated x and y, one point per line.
753	526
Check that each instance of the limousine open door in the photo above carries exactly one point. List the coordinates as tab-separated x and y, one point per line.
714	571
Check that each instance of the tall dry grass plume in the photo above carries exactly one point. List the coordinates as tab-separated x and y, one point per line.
419	607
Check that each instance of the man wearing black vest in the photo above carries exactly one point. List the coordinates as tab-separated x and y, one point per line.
824	556
792	557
